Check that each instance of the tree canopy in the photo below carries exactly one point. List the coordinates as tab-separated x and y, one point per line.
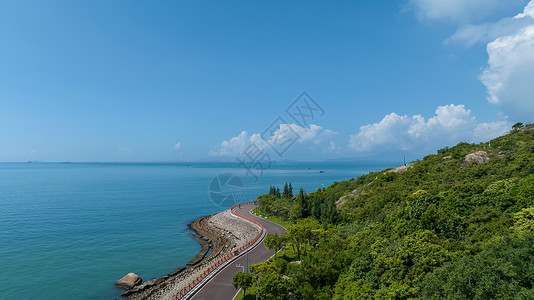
458	224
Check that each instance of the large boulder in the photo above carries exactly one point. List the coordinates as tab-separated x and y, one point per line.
478	157
128	282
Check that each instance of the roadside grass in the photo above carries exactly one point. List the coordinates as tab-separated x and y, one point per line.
250	295
274	219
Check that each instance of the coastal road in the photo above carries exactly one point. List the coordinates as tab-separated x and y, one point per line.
220	286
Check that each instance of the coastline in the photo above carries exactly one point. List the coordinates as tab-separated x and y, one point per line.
219	235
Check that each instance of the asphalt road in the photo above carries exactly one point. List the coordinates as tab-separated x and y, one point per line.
220	286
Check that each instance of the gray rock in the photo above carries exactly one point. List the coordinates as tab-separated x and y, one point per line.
128	282
177	271
478	157
399	169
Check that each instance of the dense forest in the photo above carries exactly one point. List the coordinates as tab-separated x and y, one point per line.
458	224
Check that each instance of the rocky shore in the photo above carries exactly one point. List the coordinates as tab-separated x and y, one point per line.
218	235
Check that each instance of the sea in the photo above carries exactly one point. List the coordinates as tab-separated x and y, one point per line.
70	230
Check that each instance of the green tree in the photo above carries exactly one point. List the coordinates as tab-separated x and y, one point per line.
243	280
302	202
353	290
274	242
302	234
441	229
517	125
288	191
524	221
273	287
264	268
503	270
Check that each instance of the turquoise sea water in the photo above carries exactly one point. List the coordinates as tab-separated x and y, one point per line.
70	230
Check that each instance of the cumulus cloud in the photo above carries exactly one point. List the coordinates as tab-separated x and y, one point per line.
451	124
235	146
314	134
178	146
509	77
471	34
332	147
528	11
509	74
392	130
463	11
488	131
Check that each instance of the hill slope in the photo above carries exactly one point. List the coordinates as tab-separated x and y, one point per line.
457	224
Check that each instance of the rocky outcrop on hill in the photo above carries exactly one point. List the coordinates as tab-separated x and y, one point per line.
343	199
399	169
479	157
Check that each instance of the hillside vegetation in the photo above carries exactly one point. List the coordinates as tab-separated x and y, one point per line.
458	224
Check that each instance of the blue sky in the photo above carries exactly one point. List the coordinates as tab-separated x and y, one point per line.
201	80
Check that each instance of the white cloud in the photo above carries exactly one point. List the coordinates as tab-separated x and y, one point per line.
463	11
236	146
392	130
528	11
451	124
332	147
315	134
233	146
178	146
487	131
471	34
509	77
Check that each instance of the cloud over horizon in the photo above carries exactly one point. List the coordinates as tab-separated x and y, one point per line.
312	135
451	124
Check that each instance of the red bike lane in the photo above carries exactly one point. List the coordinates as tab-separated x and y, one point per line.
220	286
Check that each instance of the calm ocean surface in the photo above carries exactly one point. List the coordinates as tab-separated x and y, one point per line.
70	230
